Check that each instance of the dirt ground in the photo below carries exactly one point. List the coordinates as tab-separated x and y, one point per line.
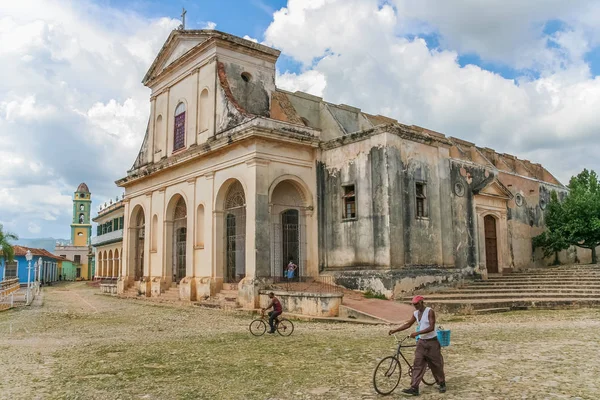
76	344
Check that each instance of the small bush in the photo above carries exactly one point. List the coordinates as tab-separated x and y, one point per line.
369	294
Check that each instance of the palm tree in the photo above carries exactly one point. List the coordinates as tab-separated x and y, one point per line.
6	250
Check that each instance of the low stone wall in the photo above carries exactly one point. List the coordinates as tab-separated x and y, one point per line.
108	288
397	283
313	304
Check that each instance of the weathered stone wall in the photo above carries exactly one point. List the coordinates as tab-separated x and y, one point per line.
362	241
313	304
466	179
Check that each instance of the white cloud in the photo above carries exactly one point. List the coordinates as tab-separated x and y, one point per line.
358	54
34	228
312	82
72	108
250	39
210	25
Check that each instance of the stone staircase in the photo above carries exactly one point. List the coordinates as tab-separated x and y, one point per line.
169	295
552	287
226	299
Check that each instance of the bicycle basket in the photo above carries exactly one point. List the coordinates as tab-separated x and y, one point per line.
443	336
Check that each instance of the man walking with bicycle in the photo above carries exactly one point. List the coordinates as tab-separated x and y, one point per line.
428	350
277	310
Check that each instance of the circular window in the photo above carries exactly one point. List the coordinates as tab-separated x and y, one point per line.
246	77
542	204
519	199
459	189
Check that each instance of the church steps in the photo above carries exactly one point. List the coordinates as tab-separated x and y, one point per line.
461	305
539	288
549	294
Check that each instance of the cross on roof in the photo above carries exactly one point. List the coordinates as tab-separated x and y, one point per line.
183	12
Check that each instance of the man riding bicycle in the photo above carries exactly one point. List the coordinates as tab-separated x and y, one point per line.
277	310
428	351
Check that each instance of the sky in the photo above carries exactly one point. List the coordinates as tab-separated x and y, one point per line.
517	76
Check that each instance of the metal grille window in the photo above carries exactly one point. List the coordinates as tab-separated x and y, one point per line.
77	259
349	202
179	139
10	270
235	233
421	198
179	240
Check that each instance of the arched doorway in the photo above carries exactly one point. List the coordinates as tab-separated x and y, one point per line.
139	240
235	233
179	242
491	244
290	244
110	264
288	205
117	266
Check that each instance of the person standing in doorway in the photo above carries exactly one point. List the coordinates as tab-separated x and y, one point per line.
291	269
428	351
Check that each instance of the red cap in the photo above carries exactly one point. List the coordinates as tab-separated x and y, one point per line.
417	299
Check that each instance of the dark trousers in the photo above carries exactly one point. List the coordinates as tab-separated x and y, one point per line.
428	352
272	316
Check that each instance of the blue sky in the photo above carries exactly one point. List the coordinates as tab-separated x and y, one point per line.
519	77
252	17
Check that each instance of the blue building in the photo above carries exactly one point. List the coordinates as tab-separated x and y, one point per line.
44	266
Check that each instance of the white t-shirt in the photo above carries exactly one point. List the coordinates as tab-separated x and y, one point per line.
423	324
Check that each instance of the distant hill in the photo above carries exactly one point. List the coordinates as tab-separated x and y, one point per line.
40	243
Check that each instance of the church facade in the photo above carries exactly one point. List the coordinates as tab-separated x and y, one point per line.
236	177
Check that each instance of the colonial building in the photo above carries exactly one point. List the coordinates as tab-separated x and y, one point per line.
78	249
44	267
235	177
108	242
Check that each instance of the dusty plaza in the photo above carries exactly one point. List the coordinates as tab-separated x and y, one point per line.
71	344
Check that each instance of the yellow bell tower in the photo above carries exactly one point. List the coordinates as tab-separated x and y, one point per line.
81	228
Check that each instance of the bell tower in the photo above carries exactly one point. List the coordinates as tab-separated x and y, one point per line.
81	228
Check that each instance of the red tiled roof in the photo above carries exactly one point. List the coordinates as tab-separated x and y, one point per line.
22	250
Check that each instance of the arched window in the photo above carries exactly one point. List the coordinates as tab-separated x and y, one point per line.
204	105
200	226
158	131
179	135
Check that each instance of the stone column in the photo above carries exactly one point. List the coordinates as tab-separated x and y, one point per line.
258	251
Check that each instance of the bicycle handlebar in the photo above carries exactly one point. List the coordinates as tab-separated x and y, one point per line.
398	340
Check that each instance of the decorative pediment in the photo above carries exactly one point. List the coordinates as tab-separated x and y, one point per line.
174	48
496	189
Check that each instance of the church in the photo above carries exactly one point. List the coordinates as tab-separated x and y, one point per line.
236	177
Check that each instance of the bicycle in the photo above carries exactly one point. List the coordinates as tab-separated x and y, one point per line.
385	372
258	326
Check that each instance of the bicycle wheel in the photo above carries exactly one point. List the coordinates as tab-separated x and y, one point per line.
386	376
285	327
258	327
428	378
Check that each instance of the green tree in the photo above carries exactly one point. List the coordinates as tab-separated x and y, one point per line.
552	241
575	221
6	249
581	224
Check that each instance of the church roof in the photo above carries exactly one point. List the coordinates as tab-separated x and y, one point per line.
83	188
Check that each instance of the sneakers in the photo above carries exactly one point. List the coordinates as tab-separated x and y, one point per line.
442	387
411	391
